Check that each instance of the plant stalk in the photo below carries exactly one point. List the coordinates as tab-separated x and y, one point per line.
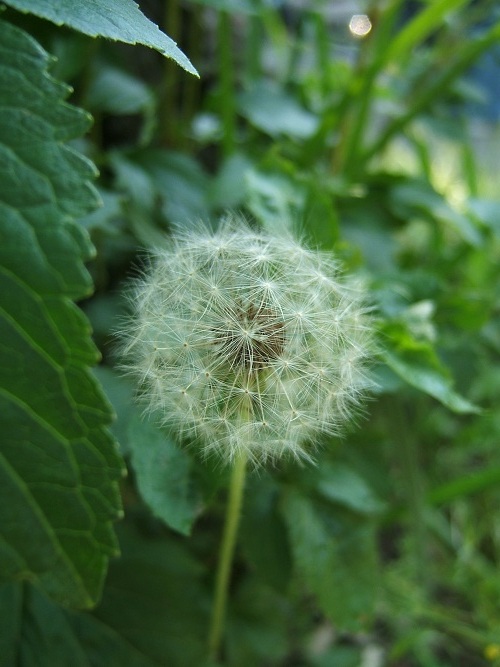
227	83
233	513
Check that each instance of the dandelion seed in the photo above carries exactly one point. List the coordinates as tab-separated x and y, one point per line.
249	342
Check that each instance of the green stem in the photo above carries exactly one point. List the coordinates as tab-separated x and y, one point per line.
441	80
233	512
169	110
253	58
227	83
415	493
358	100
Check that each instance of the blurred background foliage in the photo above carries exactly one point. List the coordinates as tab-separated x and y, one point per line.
383	148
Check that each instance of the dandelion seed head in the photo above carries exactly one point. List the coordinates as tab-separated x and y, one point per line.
247	342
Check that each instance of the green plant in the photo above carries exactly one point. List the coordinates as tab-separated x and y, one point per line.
387	547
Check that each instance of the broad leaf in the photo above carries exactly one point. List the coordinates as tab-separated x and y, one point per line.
341	484
114	91
417	197
257	625
153	612
164	475
119	20
275	200
263	534
181	184
38	632
155	601
422	369
58	463
334	556
276	113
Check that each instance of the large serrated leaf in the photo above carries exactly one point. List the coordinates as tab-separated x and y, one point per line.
119	20
58	463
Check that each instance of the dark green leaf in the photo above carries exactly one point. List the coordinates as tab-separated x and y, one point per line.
334	557
343	485
154	600
421	368
256	626
45	635
276	113
139	198
263	534
164	475
275	200
58	463
114	91
418	197
342	656
180	183
320	218
119	20
473	482
120	391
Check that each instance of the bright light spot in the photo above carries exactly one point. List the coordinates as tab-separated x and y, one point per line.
360	25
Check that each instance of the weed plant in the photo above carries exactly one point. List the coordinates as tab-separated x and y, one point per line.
375	150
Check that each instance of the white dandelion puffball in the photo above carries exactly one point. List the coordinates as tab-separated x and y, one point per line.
247	341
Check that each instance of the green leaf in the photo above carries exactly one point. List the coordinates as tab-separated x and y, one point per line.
459	61
276	113
36	632
104	647
275	200
334	555
420	367
114	91
155	602
139	200
120	391
473	482
228	187
43	635
345	486
416	197
320	218
256	633
164	475
430	19
180	182
11	615
119	20
263	534
58	462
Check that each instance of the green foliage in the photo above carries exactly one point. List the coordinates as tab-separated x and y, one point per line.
59	467
323	540
120	20
164	476
385	552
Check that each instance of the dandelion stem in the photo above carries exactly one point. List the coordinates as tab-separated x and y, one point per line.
233	512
